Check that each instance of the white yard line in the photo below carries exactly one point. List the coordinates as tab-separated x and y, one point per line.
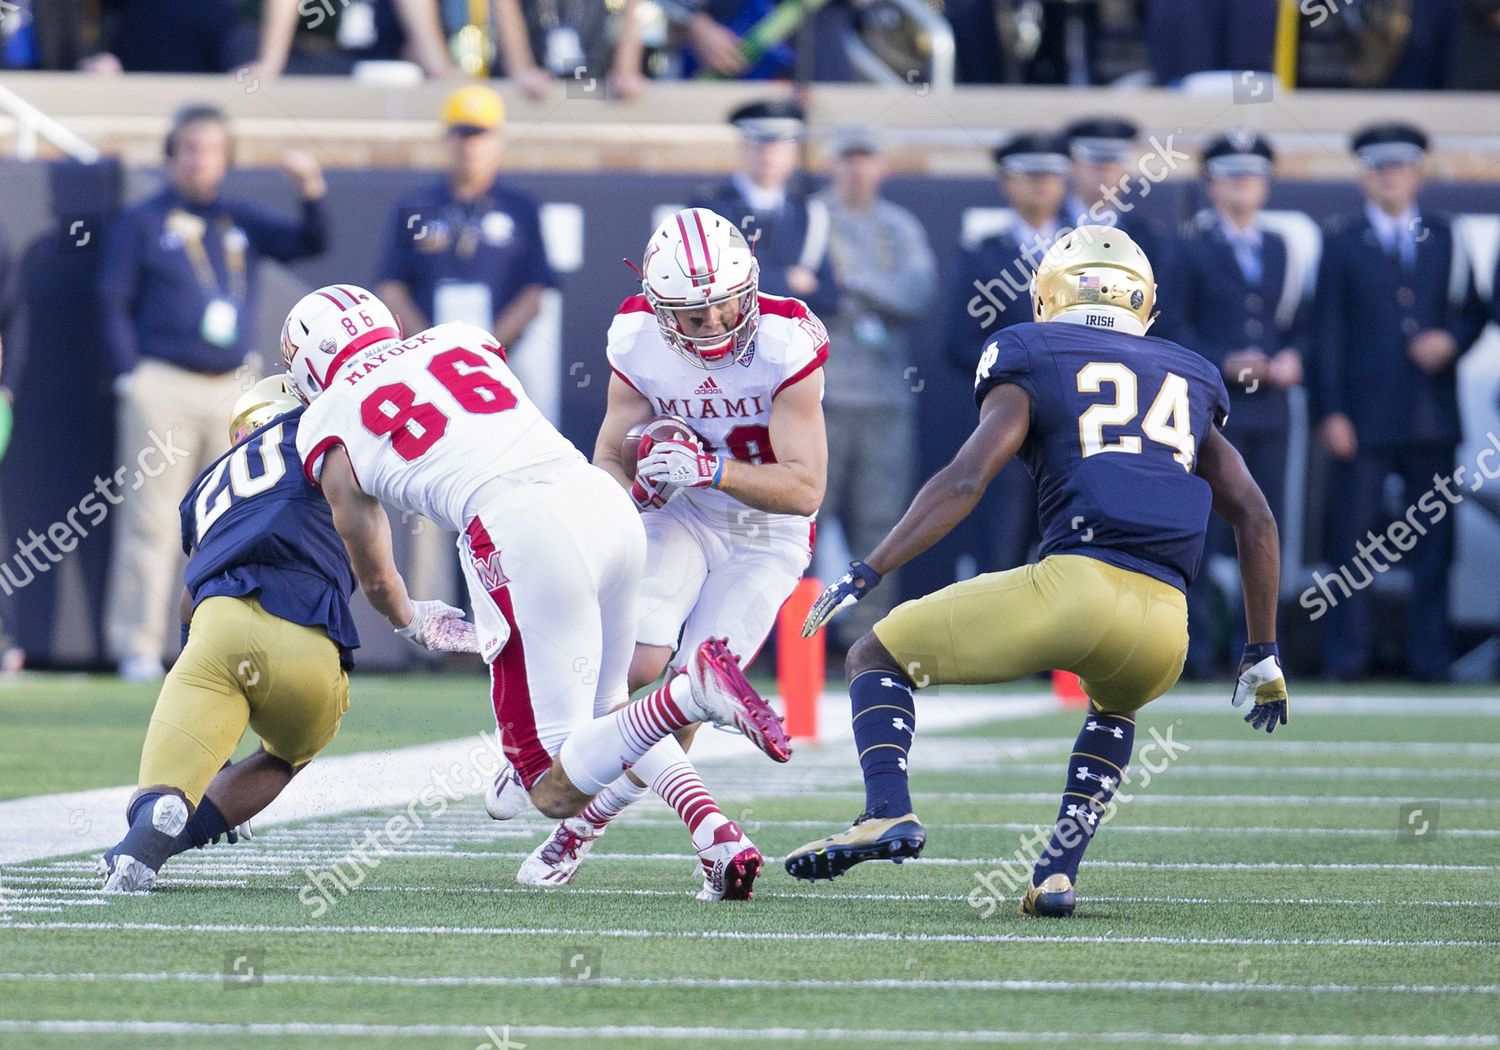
77	821
757	1036
741	935
794	984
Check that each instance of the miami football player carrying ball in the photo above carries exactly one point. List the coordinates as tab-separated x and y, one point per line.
728	489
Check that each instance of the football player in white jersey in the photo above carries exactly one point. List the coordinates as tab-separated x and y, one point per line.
552	550
729	522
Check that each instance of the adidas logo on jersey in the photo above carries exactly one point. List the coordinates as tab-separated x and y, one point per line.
708	387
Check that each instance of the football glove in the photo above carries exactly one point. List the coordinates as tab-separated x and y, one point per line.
1261	678
849	588
678	465
440	628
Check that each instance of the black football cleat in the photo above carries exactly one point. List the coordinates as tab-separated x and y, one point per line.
868	838
1053	898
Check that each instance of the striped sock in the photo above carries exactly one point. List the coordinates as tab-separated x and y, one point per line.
595	754
885	720
1101	754
612	801
680	787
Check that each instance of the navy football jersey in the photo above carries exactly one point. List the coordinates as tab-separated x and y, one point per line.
252	524
1116	421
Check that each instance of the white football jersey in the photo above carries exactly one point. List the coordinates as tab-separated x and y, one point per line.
426	422
729	407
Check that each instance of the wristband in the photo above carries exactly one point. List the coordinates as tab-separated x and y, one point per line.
718	480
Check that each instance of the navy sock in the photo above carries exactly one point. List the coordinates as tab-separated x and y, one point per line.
1100	757
145	841
885	717
205	825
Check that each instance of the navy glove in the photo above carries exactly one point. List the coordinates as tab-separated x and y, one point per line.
1261	678
849	588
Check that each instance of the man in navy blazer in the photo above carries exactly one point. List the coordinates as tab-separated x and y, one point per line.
1240	305
1396	307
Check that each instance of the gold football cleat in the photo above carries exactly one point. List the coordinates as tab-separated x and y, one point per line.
868	838
1053	898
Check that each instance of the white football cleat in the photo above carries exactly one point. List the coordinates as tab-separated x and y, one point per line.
506	796
556	860
730	864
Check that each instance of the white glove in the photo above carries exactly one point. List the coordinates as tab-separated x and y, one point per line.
676	465
440	628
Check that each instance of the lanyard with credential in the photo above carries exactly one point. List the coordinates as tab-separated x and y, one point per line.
190	229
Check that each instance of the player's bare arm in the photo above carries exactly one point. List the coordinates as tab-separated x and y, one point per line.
952	493
362	523
626	408
1239	501
794	484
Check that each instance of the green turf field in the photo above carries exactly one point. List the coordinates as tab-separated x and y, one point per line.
1257	892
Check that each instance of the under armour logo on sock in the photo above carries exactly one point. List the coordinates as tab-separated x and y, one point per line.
1085	814
1118	732
1104	781
900	723
891	683
902	763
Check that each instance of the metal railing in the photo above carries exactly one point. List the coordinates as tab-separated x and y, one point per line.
32	126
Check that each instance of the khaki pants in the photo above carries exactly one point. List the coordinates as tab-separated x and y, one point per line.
242	666
872	455
172	424
1124	633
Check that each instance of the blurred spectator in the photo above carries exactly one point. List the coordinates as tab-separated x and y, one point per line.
592	41
36	35
1425	58
330	36
992	292
179	289
11	657
887	277
465	248
1193	36
993	277
1473	63
729	38
788	231
170	36
1105	193
1240	306
1382	374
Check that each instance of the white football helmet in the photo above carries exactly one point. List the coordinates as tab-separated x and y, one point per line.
327	328
698	258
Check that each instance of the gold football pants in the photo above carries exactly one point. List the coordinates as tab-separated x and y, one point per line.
1123	633
242	666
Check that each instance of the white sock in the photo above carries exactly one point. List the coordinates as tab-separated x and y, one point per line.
594	755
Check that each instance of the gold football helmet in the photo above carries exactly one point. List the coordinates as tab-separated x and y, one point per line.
260	404
1093	268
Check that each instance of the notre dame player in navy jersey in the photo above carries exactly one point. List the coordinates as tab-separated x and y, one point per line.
271	638
1121	433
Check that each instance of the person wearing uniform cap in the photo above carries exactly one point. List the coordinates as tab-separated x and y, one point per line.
1105	193
466	248
1395	308
788	230
887	278
179	291
1240	305
993	292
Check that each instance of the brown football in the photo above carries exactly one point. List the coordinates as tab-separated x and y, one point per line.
639	438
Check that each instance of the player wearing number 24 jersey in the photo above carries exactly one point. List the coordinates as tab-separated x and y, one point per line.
551	548
1121	434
